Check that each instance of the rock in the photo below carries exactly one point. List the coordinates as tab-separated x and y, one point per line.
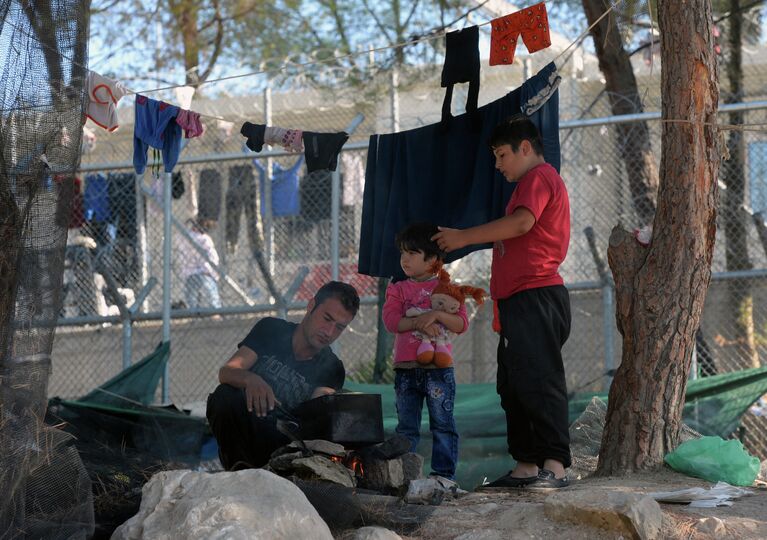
284	462
253	503
636	516
375	533
323	447
412	466
382	474
712	526
325	469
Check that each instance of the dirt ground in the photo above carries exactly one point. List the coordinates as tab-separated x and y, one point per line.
490	514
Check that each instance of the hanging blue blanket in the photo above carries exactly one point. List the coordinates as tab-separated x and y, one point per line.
447	177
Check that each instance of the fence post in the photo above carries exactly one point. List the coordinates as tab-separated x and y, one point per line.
166	284
268	221
141	235
608	310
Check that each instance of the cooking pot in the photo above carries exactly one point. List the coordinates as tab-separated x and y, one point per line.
347	418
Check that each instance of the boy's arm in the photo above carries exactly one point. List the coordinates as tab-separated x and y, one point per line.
511	226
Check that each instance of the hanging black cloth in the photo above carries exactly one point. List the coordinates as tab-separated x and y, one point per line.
321	150
209	195
447	177
461	66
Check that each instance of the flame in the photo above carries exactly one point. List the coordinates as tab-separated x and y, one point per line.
355	464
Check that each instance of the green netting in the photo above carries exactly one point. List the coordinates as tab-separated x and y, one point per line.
714	407
136	384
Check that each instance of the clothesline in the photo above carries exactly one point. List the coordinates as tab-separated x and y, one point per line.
431	36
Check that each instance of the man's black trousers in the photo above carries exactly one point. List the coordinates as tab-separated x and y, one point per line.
244	440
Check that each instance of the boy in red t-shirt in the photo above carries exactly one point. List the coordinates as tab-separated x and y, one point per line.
533	305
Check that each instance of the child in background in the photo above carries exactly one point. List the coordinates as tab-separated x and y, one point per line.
421	260
200	284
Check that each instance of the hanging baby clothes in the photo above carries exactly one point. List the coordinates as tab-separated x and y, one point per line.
103	95
290	139
189	121
285	198
156	127
461	65
321	150
255	135
209	195
532	24
445	177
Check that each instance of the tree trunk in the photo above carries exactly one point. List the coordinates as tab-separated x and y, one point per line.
740	303
661	289
632	138
186	13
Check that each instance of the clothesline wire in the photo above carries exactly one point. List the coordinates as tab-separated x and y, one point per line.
583	35
427	37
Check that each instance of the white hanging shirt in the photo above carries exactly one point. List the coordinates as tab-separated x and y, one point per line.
103	95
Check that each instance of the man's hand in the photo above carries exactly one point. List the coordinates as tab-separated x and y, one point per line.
259	396
323	391
449	239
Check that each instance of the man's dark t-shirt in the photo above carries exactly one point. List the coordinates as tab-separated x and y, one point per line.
292	381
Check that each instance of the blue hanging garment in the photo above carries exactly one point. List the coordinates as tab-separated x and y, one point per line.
156	127
285	182
447	176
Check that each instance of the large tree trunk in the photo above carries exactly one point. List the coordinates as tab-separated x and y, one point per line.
633	138
661	289
740	303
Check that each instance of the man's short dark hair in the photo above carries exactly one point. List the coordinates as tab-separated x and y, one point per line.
513	131
343	292
417	237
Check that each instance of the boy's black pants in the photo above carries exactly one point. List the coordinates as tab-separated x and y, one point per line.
535	323
244	440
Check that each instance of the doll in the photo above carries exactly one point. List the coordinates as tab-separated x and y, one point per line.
447	297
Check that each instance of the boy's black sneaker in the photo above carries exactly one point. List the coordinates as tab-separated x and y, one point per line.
508	481
547	480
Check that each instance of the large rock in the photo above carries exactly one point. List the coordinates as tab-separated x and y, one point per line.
629	514
234	505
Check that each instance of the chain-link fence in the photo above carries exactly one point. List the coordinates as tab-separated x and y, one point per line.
251	231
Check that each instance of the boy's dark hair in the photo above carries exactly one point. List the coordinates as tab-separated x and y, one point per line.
513	131
343	292
417	237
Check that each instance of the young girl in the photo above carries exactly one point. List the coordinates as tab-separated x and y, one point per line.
421	260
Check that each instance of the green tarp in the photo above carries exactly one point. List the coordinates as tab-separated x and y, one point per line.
714	407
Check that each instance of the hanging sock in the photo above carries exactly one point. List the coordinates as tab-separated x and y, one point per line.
531	23
190	123
321	149
155	126
461	65
103	95
254	134
289	139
